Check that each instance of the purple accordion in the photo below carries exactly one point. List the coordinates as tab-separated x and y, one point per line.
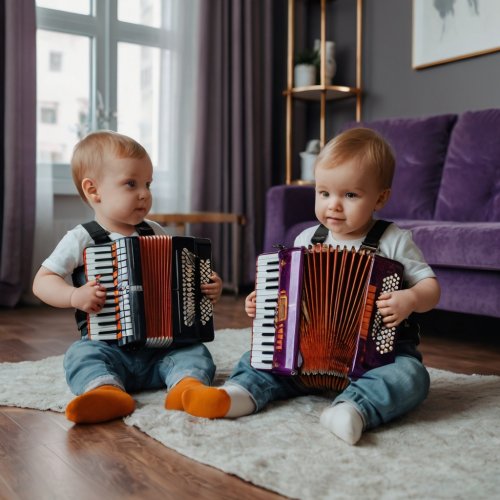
316	315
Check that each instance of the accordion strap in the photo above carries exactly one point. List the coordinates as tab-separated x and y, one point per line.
371	239
320	235
144	229
97	232
100	235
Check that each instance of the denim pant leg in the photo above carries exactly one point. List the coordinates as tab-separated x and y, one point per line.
90	363
264	386
387	392
190	361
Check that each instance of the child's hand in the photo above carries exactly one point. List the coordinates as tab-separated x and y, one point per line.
213	289
89	298
395	306
250	304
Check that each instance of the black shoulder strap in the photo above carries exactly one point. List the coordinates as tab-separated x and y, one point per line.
97	232
100	235
144	229
370	242
320	235
374	234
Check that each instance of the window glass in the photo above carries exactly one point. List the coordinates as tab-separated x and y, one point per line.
138	93
48	112
55	61
146	12
76	6
63	95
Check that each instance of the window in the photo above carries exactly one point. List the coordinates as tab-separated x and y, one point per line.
107	61
48	112
55	61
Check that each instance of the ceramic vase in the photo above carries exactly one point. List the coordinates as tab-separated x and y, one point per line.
304	75
331	65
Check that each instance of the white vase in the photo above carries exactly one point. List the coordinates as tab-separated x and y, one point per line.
331	65
307	161
304	75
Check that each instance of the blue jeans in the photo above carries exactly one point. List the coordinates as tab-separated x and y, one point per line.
91	363
380	395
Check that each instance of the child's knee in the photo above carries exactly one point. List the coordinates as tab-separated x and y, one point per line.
417	379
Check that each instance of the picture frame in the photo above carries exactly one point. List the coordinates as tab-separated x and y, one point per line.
451	30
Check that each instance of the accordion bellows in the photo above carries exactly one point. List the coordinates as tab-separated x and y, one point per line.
316	314
153	293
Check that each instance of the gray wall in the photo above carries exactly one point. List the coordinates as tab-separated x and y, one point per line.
392	88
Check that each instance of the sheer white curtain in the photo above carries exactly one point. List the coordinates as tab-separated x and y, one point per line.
173	174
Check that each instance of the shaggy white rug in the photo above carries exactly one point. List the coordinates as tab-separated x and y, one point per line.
447	448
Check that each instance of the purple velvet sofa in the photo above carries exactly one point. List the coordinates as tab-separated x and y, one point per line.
446	189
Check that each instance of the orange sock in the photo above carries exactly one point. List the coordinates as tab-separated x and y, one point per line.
208	402
173	401
101	404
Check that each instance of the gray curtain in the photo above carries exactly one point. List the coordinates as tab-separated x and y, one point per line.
233	159
17	146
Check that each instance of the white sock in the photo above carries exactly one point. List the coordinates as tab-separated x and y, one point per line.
241	402
344	421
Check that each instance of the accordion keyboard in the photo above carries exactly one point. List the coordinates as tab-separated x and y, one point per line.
101	265
263	330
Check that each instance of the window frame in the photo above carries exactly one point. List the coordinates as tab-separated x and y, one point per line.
105	32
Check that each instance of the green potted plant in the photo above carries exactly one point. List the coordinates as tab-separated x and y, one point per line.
306	68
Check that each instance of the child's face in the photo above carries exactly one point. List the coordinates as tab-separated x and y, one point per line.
122	196
346	197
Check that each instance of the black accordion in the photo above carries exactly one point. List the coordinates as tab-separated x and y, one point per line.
153	295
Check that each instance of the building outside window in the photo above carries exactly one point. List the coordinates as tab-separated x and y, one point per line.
107	65
48	113
55	61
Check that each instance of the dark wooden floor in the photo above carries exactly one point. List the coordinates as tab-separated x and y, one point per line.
43	456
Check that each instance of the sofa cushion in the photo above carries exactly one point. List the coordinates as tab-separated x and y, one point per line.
461	245
470	291
420	146
286	205
470	189
444	243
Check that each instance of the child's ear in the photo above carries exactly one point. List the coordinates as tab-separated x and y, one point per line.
89	187
383	197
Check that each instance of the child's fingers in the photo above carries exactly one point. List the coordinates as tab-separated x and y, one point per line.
385	296
214	277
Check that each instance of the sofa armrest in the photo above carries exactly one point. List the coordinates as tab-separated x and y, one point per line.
286	205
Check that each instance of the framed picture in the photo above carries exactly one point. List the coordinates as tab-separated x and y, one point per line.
449	30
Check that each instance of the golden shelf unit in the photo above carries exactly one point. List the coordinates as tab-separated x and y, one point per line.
322	92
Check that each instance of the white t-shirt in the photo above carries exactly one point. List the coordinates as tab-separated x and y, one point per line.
396	244
68	254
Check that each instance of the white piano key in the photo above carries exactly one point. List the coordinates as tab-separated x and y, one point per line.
263	293
260	346
266	257
103	329
97	252
267	314
103	336
106	310
264	330
266	286
260	322
261	362
105	260
260	366
267	306
267	273
101	322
